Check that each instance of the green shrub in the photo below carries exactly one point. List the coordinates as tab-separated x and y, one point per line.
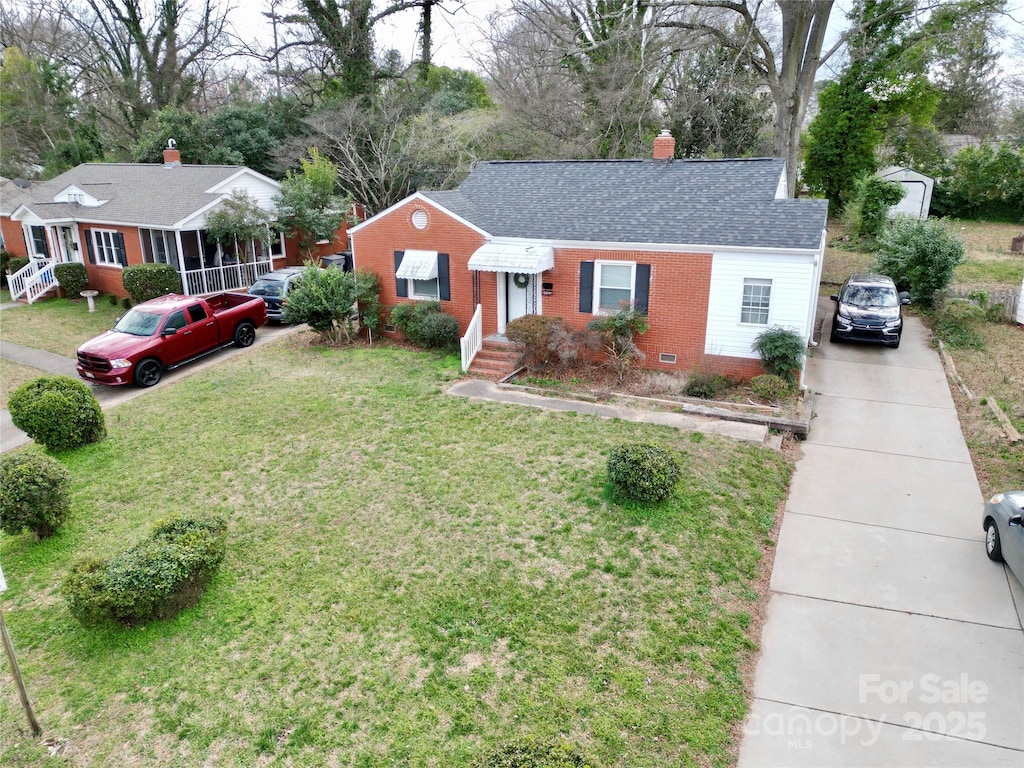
868	210
770	387
529	753
418	321
548	342
58	412
148	281
782	352
5	263
919	255
35	493
72	278
16	263
534	334
440	331
618	330
705	384
154	579
643	472
325	299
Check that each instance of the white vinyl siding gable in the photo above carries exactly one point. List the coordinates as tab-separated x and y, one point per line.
736	276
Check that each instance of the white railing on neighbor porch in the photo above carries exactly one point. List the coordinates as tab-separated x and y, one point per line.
227	278
33	280
473	341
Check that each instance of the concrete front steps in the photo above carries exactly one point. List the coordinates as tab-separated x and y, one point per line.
495	360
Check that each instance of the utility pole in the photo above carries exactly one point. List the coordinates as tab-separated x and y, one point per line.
33	724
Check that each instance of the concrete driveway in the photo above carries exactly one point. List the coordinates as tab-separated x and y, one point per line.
891	640
46	362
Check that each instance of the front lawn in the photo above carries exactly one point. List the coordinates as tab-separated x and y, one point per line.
12	376
59	326
411	579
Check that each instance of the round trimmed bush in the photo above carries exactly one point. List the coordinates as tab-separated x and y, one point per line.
57	412
440	331
768	386
35	493
528	753
72	278
16	264
643	472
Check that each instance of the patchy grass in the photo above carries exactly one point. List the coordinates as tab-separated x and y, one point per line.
59	326
12	376
411	579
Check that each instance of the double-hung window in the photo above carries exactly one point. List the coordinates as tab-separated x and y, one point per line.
107	247
613	285
757	294
39	244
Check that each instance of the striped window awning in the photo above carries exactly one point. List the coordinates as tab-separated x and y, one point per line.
418	265
528	259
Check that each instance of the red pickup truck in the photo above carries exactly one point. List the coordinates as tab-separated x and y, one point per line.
165	333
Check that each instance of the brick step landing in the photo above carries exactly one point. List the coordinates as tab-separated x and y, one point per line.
494	361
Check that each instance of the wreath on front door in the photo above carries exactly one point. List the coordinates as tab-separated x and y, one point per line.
521	279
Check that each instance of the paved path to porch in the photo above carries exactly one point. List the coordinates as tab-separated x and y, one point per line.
480	389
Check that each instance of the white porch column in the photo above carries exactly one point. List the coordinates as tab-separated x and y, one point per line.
181	262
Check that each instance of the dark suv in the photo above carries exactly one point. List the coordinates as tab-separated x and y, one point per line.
274	287
868	308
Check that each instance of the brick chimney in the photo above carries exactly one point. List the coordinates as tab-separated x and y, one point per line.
172	157
664	146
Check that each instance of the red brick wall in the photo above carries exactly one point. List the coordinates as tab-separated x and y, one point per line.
14	238
102	277
293	258
374	248
678	298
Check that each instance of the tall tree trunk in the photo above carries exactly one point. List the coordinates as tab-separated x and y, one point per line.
803	33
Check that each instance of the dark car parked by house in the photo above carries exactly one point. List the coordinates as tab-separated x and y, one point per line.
273	287
868	308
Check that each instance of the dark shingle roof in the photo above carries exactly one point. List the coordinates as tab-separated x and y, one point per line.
136	193
688	202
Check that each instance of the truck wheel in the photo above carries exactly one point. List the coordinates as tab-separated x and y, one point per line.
245	334
148	372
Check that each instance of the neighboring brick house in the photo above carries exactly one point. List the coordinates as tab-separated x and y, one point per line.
710	249
111	215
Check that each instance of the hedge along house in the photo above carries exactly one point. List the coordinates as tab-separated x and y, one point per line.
710	249
111	215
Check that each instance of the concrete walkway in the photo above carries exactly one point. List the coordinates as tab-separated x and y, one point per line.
890	640
480	389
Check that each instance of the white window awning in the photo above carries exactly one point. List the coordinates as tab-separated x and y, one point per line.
529	259
418	265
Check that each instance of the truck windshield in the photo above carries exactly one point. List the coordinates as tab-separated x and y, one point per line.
138	323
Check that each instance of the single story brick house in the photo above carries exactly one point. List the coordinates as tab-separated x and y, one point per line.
711	249
111	215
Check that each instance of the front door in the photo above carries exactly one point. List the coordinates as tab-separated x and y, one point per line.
69	252
521	293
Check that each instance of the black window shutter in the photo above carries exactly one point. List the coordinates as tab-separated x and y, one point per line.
122	254
586	286
88	246
444	286
401	286
642	289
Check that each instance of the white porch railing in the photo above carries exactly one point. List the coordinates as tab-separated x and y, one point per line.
196	282
473	341
33	280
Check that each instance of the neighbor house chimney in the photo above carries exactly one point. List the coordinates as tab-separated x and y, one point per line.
172	157
664	146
